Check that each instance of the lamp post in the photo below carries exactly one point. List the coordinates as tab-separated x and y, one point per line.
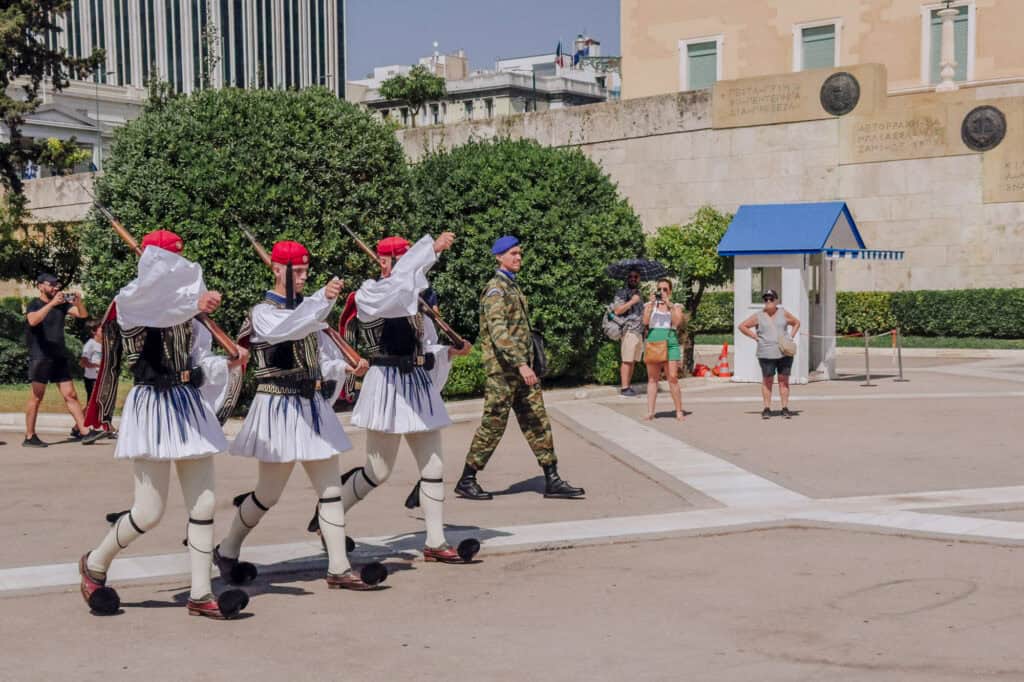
948	62
99	132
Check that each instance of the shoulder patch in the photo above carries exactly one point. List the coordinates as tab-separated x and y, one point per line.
494	292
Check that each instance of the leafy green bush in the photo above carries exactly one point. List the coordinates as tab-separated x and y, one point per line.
994	313
292	165
467	376
566	211
714	315
607	363
13	362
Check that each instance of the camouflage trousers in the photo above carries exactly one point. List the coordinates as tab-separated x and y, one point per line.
504	392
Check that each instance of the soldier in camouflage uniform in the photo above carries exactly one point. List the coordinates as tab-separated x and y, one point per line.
507	346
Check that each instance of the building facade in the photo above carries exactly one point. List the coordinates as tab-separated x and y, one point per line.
672	46
192	45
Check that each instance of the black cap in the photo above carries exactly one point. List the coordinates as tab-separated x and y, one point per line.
770	293
46	277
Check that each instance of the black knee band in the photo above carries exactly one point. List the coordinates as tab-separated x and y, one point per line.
329	500
131	520
352	472
432	480
198	522
257	502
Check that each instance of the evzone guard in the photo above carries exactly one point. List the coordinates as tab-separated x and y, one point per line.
299	374
401	392
170	415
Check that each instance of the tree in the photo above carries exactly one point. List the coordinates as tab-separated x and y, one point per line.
568	215
61	156
25	62
415	89
691	252
289	164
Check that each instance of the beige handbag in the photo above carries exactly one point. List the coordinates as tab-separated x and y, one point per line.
788	346
656	351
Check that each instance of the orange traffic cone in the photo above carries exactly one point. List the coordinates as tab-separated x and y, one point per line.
722	369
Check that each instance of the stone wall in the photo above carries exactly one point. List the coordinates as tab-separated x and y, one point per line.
668	160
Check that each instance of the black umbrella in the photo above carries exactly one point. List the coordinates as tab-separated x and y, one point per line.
648	269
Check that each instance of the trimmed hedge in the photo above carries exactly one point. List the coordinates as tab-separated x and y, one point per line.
990	313
467	376
606	366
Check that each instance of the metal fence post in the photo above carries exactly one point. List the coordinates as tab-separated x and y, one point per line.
899	353
867	360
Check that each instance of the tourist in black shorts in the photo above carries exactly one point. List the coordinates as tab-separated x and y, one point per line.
47	354
768	327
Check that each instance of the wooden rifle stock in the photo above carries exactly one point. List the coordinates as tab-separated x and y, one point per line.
350	354
219	335
424	306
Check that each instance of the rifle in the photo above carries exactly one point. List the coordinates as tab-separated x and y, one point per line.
424	306
219	335
350	354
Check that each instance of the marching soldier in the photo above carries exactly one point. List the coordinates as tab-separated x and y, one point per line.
507	346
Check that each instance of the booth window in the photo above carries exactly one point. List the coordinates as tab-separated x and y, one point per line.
764	278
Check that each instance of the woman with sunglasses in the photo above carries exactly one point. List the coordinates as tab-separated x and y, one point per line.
663	318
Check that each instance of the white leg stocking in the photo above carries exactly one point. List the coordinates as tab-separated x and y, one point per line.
381	451
196	477
151	480
323	475
273	476
426	448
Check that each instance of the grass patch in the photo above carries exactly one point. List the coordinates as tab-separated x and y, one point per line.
969	342
14	396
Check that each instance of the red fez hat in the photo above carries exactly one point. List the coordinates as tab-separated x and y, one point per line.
163	239
289	253
392	246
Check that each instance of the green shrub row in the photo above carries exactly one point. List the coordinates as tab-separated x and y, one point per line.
991	313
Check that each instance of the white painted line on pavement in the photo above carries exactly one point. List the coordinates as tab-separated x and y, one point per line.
712	476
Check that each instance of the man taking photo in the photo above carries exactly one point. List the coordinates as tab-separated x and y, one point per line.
629	305
47	354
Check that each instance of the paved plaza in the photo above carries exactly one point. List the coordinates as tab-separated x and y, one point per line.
876	535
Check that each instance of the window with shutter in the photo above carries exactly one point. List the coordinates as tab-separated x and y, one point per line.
701	65
960	51
819	47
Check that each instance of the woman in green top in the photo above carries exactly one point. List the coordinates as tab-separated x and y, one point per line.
663	318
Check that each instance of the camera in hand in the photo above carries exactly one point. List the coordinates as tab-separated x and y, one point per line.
70	298
657	295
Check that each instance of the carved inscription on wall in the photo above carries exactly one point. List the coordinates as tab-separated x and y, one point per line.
764	99
914	136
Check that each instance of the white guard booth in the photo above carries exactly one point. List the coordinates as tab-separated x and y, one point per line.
792	248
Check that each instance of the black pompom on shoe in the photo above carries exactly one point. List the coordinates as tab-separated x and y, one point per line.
231	602
374	573
468	549
105	601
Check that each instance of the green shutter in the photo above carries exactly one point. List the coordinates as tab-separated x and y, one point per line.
819	45
701	65
959	52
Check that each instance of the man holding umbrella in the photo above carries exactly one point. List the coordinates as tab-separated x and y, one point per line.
628	306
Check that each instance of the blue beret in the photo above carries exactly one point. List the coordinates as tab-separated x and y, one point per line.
503	244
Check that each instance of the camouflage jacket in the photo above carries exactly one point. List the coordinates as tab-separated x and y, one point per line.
504	326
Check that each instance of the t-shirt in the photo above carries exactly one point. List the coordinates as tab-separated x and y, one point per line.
634	317
46	339
92	352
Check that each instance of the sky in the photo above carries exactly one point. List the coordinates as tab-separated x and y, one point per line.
383	32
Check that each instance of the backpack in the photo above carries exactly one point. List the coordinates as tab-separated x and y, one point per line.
612	324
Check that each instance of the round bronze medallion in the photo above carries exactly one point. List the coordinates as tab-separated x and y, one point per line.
983	128
840	93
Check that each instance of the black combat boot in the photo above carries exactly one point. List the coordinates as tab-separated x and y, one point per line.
469	488
554	486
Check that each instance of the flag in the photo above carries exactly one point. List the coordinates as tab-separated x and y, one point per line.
558	54
580	54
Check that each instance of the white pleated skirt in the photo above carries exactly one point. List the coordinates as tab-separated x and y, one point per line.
290	428
393	402
175	423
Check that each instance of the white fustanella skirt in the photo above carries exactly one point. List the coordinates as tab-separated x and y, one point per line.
393	402
172	423
290	428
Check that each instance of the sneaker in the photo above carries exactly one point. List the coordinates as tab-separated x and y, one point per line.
75	434
627	392
766	413
786	413
93	436
33	442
